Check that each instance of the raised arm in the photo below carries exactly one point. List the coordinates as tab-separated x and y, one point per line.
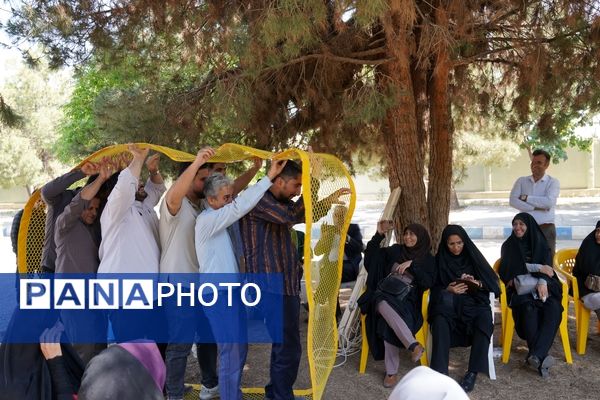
244	179
179	189
155	186
123	195
52	190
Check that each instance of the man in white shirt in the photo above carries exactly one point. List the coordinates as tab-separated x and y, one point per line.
217	253
178	212
537	194
129	227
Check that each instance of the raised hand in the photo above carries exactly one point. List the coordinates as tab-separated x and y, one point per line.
50	341
384	226
152	163
257	163
106	171
275	168
89	168
137	152
204	154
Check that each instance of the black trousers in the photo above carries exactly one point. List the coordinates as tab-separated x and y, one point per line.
444	337
537	324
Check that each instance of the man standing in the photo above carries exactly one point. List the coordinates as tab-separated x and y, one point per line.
537	194
269	248
178	212
77	237
130	242
216	251
56	196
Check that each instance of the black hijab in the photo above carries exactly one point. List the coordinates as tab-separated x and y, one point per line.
451	267
419	250
531	248
587	261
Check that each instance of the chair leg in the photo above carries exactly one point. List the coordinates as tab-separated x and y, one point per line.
564	330
420	336
584	326
364	351
491	366
508	335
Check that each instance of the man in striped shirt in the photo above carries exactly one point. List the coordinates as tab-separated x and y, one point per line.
269	248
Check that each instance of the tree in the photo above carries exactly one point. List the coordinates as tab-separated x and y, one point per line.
26	149
390	77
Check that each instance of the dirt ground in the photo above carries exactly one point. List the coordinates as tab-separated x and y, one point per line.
515	380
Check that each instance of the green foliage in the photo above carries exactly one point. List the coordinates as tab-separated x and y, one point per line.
26	158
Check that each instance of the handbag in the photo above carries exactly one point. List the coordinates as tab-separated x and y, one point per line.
525	283
393	285
592	282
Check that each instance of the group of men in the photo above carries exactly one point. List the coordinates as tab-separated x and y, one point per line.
110	226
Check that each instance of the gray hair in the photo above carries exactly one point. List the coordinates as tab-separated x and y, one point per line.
214	183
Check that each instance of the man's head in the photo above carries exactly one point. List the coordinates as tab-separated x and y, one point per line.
540	161
140	193
197	187
89	215
288	183
218	190
219	167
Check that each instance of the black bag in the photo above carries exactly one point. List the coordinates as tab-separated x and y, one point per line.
393	285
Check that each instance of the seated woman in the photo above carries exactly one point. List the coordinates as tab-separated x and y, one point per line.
587	263
459	308
532	288
391	323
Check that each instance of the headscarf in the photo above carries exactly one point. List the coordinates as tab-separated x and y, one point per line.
451	267
424	383
531	248
587	261
419	250
130	371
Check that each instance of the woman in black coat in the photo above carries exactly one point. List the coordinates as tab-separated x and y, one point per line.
587	263
536	307
459	308
390	323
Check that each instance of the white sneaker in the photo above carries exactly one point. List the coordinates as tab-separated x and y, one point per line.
207	394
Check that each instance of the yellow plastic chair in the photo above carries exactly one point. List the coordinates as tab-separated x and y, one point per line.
421	336
508	322
564	261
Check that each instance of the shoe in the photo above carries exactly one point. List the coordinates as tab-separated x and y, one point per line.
468	382
390	381
209	393
416	353
545	366
533	361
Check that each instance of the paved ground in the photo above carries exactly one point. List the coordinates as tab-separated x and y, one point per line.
515	380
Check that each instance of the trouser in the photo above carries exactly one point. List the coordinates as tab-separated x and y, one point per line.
230	330
443	338
549	231
537	324
285	356
402	331
177	352
591	301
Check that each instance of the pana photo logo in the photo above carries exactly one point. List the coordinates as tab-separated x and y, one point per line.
73	294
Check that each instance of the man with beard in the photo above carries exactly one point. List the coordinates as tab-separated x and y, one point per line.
129	225
269	248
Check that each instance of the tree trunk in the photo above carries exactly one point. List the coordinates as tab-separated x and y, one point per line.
405	161
440	146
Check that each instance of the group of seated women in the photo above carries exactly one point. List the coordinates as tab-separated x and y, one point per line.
460	282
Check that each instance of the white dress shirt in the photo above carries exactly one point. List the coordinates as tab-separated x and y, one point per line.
213	244
541	194
130	241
